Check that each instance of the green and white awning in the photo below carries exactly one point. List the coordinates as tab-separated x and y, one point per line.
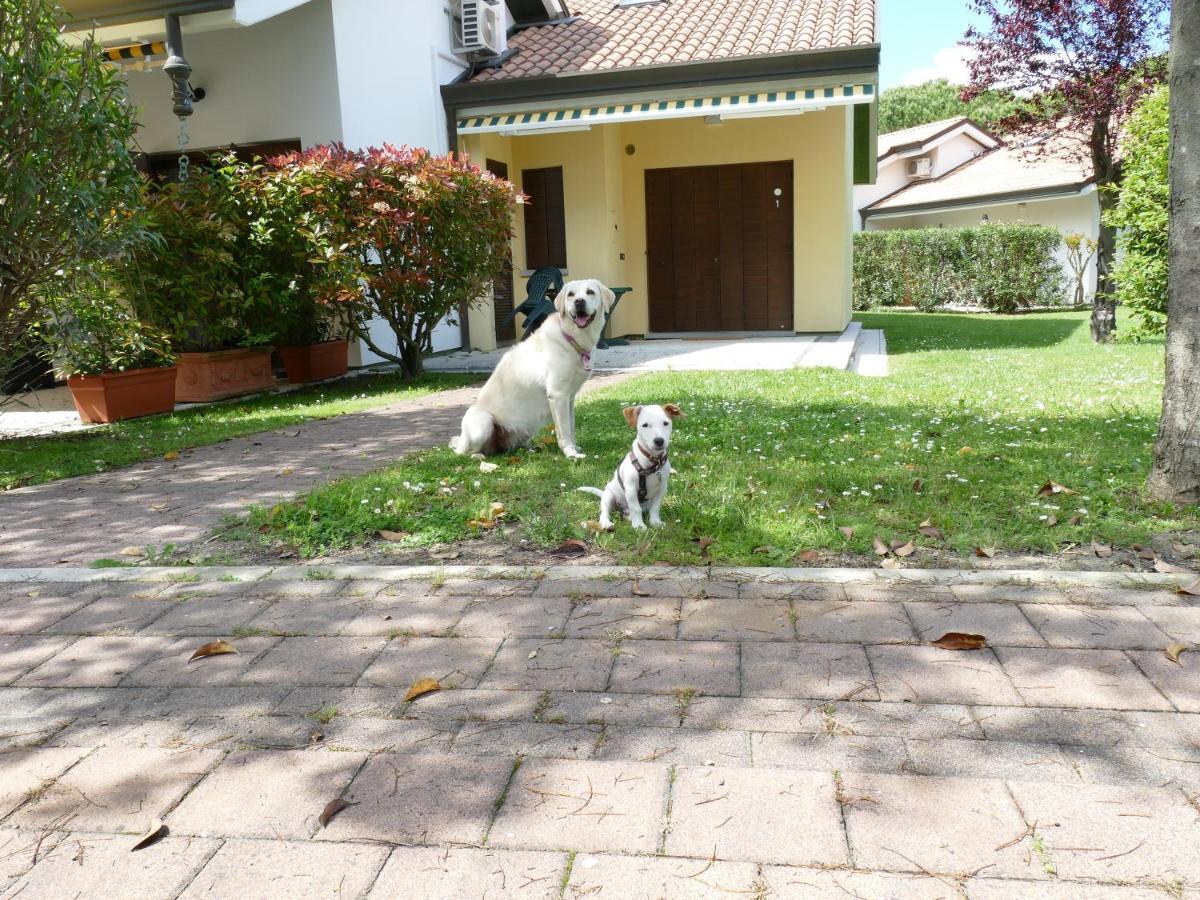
741	105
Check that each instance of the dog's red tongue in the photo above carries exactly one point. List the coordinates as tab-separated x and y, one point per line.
582	321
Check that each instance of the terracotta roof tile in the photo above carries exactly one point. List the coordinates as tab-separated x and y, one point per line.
606	35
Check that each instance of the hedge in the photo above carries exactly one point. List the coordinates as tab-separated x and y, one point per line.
997	267
1141	215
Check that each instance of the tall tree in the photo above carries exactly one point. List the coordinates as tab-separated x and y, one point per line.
918	104
1175	474
1082	65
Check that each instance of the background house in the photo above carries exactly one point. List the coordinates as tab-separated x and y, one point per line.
287	74
700	152
953	174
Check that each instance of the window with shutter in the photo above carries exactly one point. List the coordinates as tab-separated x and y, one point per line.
545	222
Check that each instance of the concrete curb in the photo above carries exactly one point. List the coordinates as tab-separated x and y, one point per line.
761	575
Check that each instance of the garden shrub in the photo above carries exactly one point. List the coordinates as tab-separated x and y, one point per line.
1140	275
998	267
400	235
205	280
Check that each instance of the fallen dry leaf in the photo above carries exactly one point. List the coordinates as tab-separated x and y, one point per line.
392	535
1051	521
958	640
963	451
1102	550
332	808
569	548
1167	568
264	529
808	556
285	471
532	654
497	510
704	543
1174	650
1146	553
422	686
171	455
918	486
1053	487
133	551
1075	519
847	532
905	549
486	466
158	507
595	527
881	549
928	529
152	835
985	552
213	648
1192	590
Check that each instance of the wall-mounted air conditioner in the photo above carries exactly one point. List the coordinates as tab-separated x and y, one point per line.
921	167
483	28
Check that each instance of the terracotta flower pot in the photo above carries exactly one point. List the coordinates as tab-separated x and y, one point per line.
222	373
123	395
315	362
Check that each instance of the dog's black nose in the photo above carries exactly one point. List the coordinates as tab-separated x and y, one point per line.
658	442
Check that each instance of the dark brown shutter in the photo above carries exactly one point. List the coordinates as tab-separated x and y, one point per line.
545	218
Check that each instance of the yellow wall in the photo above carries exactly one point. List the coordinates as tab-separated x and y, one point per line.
605	201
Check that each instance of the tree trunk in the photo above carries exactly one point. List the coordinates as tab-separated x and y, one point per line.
412	361
1104	304
1175	475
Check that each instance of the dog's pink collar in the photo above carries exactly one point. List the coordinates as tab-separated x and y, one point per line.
585	356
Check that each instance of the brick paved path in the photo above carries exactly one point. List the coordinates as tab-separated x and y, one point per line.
178	502
712	738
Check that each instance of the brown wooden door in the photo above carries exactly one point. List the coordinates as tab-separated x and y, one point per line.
502	285
719	247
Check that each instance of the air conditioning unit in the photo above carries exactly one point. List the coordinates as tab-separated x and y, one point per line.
482	30
921	167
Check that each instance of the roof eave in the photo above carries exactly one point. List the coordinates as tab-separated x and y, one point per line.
699	73
143	11
1064	190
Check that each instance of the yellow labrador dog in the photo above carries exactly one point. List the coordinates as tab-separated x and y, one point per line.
537	380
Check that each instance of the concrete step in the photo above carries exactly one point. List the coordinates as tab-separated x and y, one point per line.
833	350
870	354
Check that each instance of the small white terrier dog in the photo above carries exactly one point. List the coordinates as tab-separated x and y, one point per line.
640	483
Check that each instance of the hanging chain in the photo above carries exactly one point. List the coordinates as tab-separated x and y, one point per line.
184	161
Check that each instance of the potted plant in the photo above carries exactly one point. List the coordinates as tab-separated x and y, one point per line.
312	347
200	283
115	366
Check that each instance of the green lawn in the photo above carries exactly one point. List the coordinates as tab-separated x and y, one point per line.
981	410
35	460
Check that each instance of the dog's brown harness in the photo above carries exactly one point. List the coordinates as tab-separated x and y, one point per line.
643	471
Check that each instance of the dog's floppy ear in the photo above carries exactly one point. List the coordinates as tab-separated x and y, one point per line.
609	297
631	414
560	302
674	412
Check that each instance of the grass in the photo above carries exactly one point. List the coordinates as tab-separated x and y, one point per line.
35	460
979	412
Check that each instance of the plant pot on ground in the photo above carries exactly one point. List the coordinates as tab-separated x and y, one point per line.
114	396
116	367
217	374
316	362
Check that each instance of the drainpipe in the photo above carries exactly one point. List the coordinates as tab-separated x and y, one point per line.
177	68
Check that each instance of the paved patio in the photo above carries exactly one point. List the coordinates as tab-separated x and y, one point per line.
793	351
603	733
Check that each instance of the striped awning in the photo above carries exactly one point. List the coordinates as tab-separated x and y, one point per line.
135	51
764	103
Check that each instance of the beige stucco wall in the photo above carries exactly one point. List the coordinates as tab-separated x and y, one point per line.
605	201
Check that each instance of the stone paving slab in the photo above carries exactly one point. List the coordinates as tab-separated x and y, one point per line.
591	742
